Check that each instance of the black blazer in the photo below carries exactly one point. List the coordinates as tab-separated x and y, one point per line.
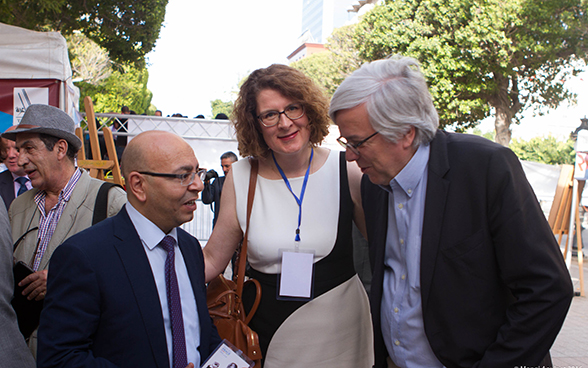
494	286
102	307
212	194
7	187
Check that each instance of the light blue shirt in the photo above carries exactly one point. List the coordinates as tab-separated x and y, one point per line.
150	236
401	312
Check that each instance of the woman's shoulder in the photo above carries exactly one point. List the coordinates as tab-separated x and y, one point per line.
240	168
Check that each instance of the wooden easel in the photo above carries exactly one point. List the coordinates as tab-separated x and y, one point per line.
96	165
560	214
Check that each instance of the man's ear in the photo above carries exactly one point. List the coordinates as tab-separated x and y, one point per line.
61	148
408	138
136	185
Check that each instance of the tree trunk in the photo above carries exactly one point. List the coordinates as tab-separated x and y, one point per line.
506	104
502	125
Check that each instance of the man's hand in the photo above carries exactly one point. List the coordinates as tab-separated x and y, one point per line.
191	365
37	285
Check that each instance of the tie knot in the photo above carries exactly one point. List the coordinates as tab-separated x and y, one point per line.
168	243
21	180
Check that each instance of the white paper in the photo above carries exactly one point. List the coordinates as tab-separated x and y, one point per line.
25	97
225	357
296	278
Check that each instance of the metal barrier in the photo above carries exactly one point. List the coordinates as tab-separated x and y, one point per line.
201	225
131	125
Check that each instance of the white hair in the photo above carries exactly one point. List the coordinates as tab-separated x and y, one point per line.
396	97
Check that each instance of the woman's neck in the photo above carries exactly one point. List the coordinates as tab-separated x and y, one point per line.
294	165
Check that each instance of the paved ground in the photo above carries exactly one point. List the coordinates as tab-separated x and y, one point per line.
570	349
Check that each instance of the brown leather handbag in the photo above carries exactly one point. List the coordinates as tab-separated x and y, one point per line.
223	297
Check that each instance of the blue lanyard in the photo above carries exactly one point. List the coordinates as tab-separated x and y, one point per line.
298	200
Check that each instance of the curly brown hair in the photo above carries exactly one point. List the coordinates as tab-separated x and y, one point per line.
292	84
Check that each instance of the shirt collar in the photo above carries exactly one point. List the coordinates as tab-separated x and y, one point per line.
149	233
410	176
65	193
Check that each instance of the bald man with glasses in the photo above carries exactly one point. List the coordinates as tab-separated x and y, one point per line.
130	291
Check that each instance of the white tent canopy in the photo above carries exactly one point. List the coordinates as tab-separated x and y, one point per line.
26	54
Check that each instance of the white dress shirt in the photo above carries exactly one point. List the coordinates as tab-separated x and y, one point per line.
150	236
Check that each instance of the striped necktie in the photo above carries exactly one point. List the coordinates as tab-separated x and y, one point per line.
174	305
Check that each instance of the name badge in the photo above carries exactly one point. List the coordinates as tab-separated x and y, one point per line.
296	279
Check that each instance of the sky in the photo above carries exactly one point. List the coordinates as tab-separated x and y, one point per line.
207	47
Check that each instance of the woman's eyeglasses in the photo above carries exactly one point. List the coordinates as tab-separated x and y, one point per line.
272	117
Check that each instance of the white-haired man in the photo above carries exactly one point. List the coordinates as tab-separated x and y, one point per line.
466	270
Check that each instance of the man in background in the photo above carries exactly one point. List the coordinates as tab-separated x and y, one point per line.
13	181
130	291
212	191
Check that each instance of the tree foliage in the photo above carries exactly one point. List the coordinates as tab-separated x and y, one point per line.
218	106
89	62
330	67
123	87
320	68
109	85
127	29
483	56
547	150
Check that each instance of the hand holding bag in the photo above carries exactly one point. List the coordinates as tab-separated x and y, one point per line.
223	297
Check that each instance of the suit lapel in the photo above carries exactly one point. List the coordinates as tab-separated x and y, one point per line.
7	186
68	217
436	197
138	270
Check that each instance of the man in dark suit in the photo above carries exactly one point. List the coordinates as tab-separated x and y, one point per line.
130	291
212	191
466	270
13	181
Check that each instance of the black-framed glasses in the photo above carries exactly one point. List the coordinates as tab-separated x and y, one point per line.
270	118
185	178
353	147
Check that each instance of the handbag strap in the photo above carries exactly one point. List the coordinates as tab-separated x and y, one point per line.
243	252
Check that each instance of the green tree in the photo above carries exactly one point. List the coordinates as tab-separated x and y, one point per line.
218	106
330	67
127	29
320	68
89	62
547	150
109	85
484	56
123	87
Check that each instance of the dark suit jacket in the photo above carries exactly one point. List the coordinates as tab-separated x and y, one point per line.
7	187
211	195
102	307
494	286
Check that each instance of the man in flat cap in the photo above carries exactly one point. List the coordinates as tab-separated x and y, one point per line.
62	200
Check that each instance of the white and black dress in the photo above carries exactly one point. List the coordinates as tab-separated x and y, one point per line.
334	329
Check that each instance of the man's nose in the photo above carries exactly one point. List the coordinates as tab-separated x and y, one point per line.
12	152
350	155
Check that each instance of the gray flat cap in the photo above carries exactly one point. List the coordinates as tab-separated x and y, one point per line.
49	120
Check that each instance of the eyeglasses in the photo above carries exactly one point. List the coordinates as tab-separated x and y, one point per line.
185	178
272	117
353	147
